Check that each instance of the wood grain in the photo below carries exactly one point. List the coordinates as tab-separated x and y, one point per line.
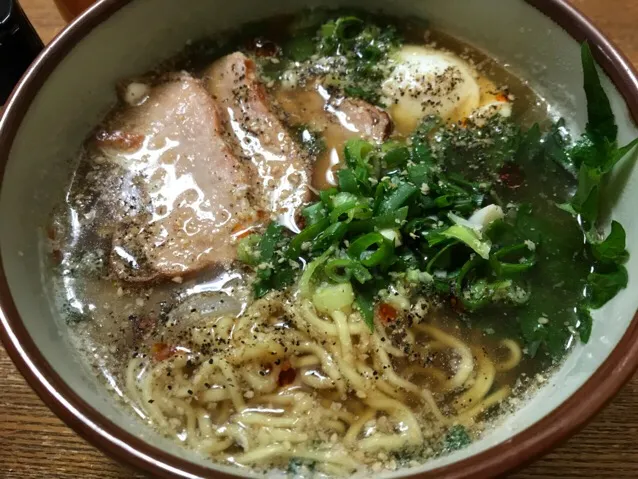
36	444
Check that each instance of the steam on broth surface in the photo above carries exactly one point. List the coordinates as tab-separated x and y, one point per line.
334	243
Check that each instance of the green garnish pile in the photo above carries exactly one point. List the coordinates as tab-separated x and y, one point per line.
400	214
352	49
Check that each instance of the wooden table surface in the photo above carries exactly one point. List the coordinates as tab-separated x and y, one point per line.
36	444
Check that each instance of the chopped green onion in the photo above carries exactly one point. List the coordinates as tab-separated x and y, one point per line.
247	251
355	208
342	269
347	28
326	196
371	249
471	303
314	213
470	237
393	219
397	198
396	158
419	174
502	267
337	270
348	182
271	237
343	198
305	282
306	235
442	254
417	276
333	297
331	235
356	151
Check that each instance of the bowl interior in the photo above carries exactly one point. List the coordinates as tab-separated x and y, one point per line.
81	89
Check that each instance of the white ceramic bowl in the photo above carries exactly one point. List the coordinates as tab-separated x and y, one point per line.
70	87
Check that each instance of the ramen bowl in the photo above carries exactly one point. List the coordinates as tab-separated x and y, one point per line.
70	86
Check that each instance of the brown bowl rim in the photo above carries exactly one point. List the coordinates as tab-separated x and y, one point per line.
518	450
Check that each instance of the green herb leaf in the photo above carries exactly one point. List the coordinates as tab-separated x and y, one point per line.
618	155
586	199
604	285
585	152
601	123
300	467
531	145
555	144
326	196
301	47
456	438
585	323
612	249
273	274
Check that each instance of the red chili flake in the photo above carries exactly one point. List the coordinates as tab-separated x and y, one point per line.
143	326
511	175
457	306
119	140
387	313
162	351
240	231
287	374
56	254
51	232
301	222
264	47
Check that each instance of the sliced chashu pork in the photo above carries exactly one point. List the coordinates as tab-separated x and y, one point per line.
195	189
280	167
337	119
342	118
361	119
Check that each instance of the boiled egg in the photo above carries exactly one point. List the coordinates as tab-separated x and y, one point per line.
489	109
493	102
426	81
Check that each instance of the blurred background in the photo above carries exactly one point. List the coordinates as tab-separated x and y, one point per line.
69	9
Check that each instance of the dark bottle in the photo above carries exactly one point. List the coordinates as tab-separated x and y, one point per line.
19	45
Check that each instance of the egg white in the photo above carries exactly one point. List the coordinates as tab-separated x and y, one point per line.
425	81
